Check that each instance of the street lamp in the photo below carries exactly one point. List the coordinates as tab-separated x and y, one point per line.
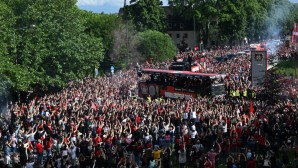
15	42
194	25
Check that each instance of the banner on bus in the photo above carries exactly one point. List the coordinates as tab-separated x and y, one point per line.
258	67
180	95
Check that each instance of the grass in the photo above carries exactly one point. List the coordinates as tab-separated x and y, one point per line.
289	68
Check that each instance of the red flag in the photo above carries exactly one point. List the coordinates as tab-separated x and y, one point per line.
251	108
93	106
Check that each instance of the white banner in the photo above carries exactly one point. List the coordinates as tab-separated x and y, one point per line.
177	95
258	67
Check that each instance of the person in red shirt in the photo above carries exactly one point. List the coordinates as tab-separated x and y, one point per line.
97	140
233	140
39	150
251	163
208	163
49	142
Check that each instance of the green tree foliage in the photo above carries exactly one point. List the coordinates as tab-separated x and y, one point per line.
289	22
236	19
232	21
102	25
256	14
146	14
53	51
11	75
278	13
124	50
156	45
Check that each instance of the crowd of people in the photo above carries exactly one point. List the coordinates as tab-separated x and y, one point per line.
100	122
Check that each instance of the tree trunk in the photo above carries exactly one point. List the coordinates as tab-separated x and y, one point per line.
206	36
231	42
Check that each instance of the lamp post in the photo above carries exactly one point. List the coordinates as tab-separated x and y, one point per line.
194	25
126	34
15	42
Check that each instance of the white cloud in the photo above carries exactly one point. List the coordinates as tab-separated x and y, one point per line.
118	3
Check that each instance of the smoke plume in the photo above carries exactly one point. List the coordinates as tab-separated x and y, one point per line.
278	12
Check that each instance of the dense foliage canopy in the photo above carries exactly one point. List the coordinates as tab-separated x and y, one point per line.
155	45
146	15
234	20
45	43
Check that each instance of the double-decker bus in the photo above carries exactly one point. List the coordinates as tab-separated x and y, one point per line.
179	84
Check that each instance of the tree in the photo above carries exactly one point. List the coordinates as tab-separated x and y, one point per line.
146	14
232	21
203	11
278	13
290	20
156	45
255	17
102	26
57	49
124	51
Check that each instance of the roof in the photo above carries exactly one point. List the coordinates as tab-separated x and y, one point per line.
181	73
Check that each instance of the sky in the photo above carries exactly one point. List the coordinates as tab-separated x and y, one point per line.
106	6
111	6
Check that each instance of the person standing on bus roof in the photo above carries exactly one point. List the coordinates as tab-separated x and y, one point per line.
189	62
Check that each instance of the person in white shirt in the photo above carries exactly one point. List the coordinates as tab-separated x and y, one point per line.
184	130
148	138
72	153
29	164
193	116
185	117
193	134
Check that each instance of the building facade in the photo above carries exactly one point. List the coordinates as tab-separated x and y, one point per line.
182	31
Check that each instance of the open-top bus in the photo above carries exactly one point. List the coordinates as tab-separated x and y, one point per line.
179	84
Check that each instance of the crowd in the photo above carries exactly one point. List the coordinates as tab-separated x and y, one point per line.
99	122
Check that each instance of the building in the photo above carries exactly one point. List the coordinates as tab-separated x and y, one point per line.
182	31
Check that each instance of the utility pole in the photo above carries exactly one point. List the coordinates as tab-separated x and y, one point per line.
126	36
194	25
